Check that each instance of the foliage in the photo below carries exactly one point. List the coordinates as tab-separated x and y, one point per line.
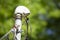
44	15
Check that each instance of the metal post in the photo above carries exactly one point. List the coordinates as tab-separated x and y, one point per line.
18	25
20	11
27	20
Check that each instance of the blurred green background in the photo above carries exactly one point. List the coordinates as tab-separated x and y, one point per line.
44	18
